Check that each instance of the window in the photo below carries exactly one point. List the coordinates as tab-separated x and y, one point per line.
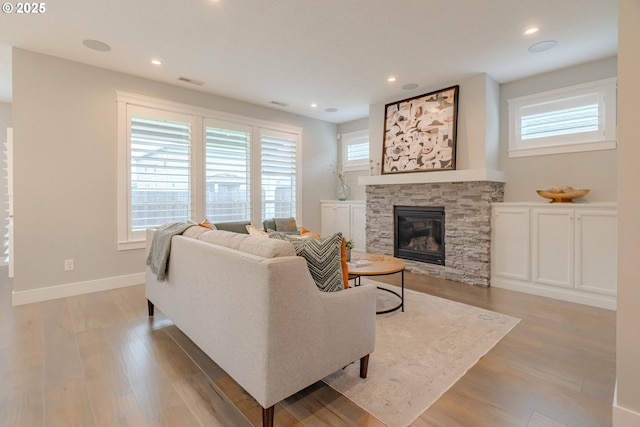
177	163
227	171
160	168
278	174
578	118
355	150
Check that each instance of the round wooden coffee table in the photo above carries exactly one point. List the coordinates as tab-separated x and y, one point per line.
378	265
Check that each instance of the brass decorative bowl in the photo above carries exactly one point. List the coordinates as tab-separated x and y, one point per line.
562	194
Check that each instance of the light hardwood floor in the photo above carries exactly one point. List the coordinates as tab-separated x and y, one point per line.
98	360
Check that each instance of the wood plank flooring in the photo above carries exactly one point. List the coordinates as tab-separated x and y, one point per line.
99	360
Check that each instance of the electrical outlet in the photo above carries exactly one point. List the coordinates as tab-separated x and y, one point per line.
68	264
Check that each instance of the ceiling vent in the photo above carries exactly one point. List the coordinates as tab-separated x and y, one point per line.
192	81
279	104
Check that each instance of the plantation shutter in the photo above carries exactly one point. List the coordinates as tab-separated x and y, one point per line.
564	117
358	153
8	169
160	171
278	174
227	169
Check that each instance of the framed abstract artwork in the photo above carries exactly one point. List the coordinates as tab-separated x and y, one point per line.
420	133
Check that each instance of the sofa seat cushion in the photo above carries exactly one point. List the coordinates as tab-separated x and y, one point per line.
266	248
323	258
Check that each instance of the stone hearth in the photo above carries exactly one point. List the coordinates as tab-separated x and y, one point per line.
467	224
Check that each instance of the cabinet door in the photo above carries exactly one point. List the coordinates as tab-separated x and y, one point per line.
335	218
510	244
327	218
358	227
596	251
553	246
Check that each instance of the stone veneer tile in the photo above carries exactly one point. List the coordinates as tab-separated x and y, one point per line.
467	207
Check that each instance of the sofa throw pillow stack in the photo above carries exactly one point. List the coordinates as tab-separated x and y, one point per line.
323	258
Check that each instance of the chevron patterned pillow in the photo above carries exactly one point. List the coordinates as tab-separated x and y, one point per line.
323	258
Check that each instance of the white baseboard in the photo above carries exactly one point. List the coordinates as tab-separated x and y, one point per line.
72	289
572	295
623	417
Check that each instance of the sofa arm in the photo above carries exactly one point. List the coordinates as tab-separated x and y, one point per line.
352	312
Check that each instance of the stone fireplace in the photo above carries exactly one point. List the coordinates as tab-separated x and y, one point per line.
467	219
465	193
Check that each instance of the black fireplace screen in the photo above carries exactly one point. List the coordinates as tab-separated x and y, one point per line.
419	233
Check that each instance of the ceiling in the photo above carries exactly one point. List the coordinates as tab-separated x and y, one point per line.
335	53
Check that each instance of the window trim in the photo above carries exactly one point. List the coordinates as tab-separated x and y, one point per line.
125	99
345	139
605	89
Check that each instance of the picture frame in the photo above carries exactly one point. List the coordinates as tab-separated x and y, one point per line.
420	133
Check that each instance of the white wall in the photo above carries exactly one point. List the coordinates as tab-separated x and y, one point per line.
477	120
5	118
595	170
64	119
626	411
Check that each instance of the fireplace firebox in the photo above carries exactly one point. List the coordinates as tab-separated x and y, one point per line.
419	233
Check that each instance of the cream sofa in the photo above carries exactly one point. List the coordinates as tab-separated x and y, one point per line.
253	307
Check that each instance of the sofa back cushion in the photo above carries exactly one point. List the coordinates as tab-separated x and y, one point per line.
323	258
235	226
195	231
283	225
266	248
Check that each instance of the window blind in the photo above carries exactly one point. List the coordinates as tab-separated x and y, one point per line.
179	163
558	119
358	152
227	169
278	175
160	172
355	150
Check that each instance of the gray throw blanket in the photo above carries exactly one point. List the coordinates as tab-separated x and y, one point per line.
160	250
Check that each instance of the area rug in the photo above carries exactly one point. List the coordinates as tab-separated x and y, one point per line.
420	353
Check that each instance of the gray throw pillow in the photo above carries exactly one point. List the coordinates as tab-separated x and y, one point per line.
323	258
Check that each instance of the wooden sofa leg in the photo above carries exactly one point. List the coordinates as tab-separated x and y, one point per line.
150	306
364	366
267	416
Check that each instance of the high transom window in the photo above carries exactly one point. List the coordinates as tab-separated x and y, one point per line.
577	118
355	150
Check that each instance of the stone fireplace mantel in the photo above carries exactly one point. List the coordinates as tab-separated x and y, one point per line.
466	175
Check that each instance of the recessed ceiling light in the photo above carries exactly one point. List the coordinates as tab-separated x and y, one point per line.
409	86
331	110
96	45
391	79
531	30
156	62
542	46
314	105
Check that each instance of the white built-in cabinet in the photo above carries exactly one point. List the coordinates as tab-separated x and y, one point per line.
563	251
348	218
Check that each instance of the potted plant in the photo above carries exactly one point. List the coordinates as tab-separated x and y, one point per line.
349	245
